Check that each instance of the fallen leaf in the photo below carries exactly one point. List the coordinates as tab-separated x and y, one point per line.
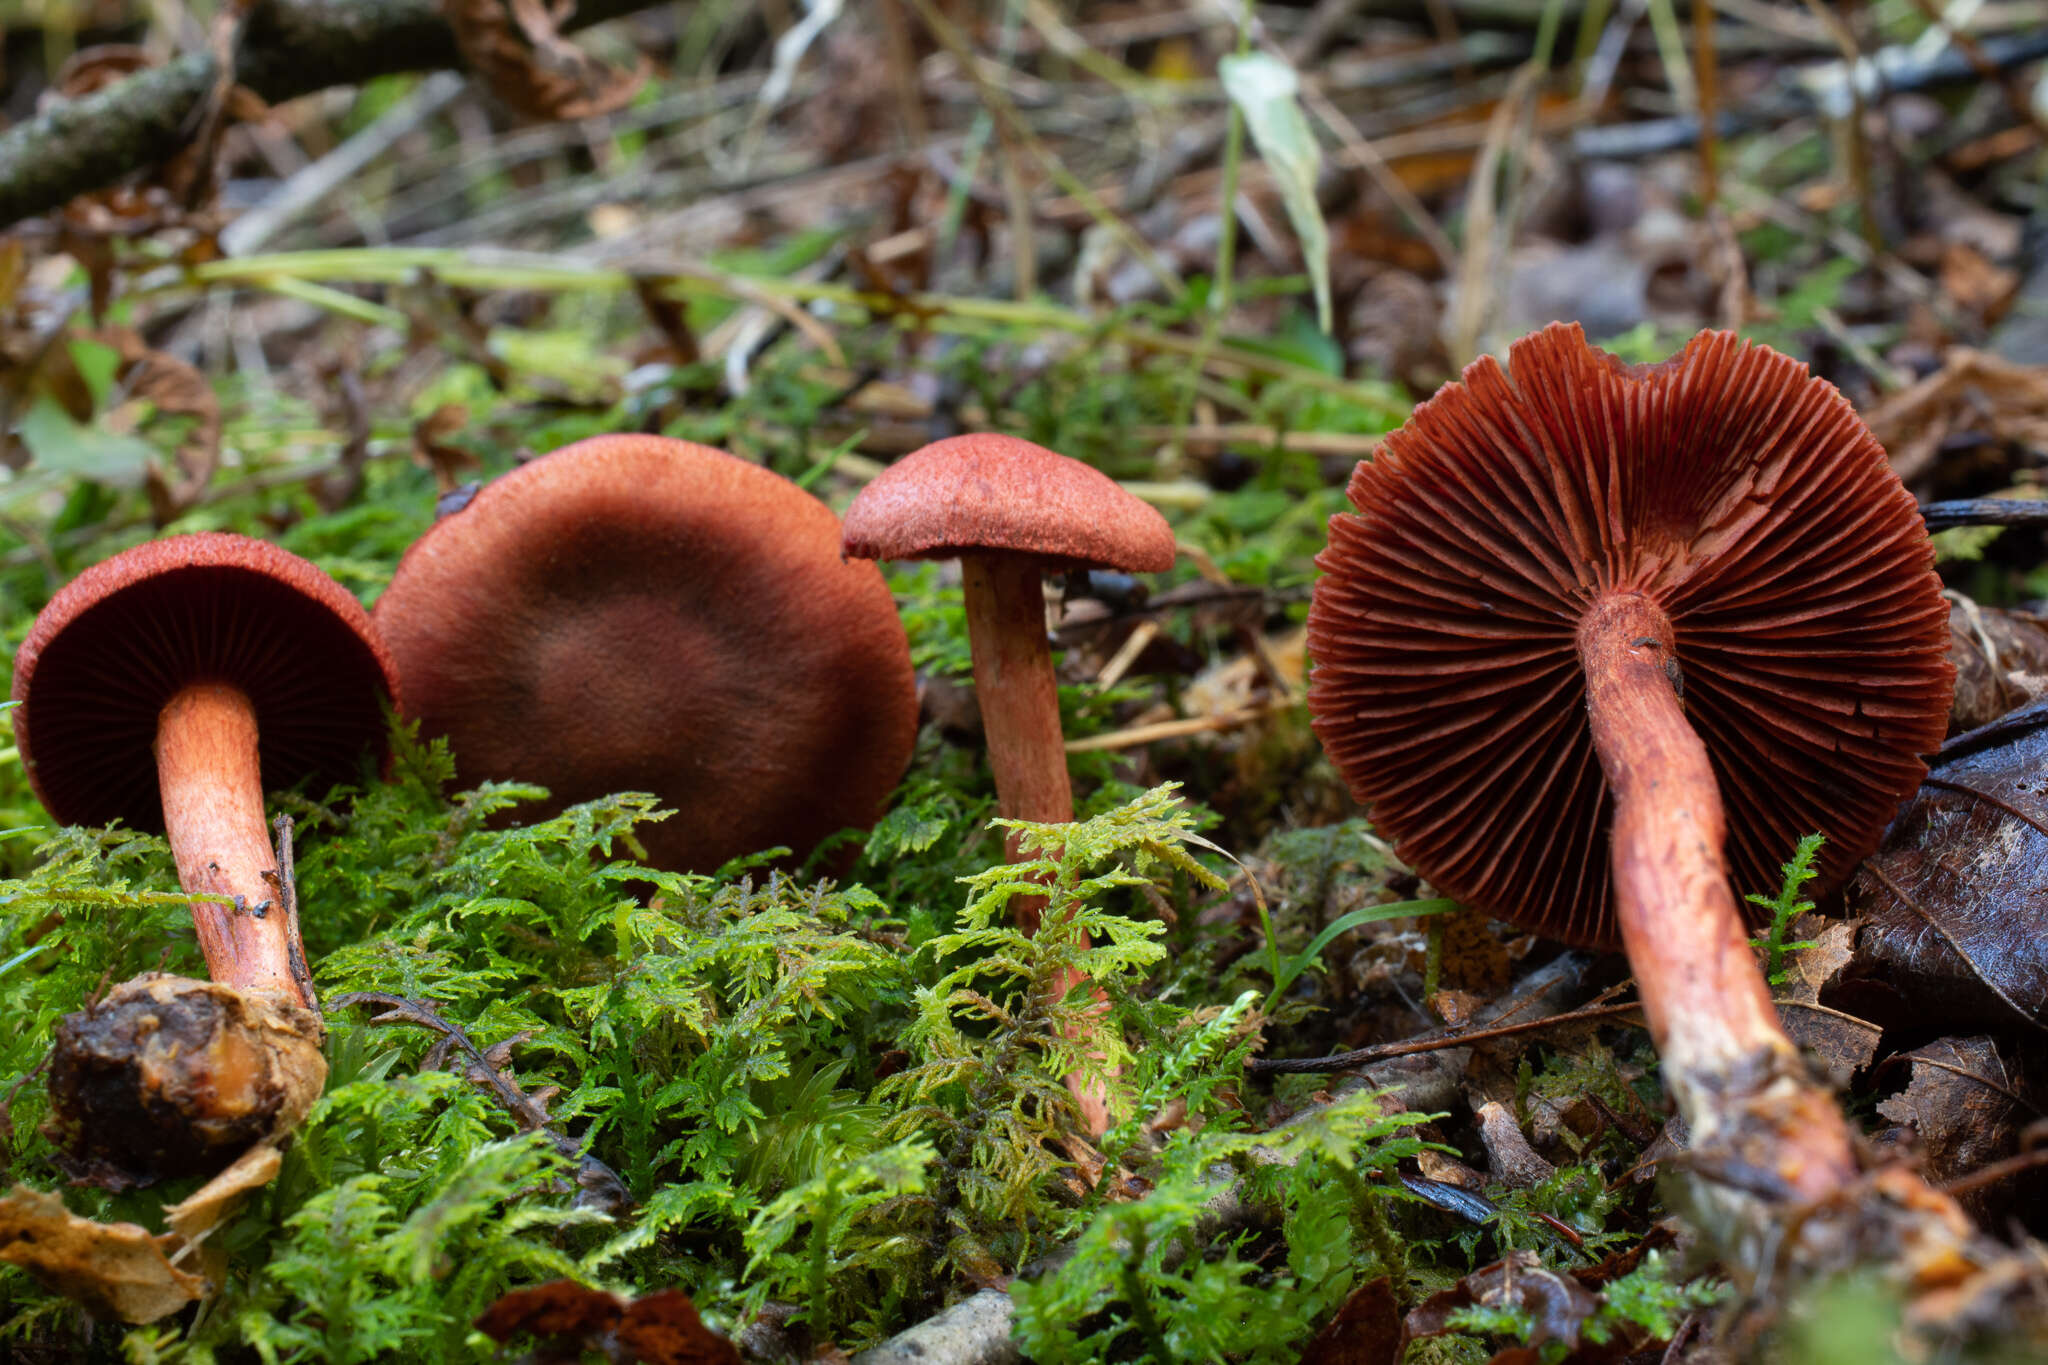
114	1270
657	1329
432	448
2001	660
1558	1304
1967	1105
175	389
517	48
1972	391
1954	903
1366	1330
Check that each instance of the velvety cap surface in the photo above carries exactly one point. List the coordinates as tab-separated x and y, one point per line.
1727	484
634	613
121	639
987	492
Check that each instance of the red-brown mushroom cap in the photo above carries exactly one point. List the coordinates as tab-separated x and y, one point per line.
988	492
124	637
635	613
1728	485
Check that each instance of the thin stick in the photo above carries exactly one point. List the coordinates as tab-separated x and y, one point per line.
1383	1052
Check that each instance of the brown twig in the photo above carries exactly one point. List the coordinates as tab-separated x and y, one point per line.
490	1070
1381	1052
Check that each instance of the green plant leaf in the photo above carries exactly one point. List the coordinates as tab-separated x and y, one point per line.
1264	89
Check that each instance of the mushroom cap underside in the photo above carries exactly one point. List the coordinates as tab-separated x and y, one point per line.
1729	486
982	492
120	640
635	613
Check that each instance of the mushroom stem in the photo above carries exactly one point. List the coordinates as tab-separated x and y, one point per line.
1737	1078
211	781
1027	751
1014	683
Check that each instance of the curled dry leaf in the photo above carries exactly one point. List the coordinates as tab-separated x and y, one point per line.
1967	1103
1973	391
658	1329
1955	902
116	1270
175	389
2001	660
516	46
123	1270
1557	1304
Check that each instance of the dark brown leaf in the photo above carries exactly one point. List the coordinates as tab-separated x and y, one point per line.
659	1329
1558	1303
663	1329
1955	902
1967	1104
557	1308
1366	1330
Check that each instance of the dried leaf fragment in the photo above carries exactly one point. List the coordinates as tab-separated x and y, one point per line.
175	389
516	46
115	1270
657	1329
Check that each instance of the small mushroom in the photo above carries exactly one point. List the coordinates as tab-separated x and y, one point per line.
169	687
1012	512
1591	623
635	613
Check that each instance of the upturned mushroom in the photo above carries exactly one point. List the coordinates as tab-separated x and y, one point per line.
635	613
1011	512
169	687
1594	622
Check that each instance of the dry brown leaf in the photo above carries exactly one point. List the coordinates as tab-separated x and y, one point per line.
1955	920
115	1270
2001	662
1366	1330
432	448
657	1329
176	389
517	48
1972	391
1974	283
1968	1103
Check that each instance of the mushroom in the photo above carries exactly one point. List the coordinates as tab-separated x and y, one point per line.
1591	623
169	687
1012	512
635	613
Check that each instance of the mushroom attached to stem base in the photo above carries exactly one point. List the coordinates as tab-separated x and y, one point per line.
1012	512
169	687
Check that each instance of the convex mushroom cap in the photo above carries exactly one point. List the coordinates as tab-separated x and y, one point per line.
124	637
1730	488
635	613
990	492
